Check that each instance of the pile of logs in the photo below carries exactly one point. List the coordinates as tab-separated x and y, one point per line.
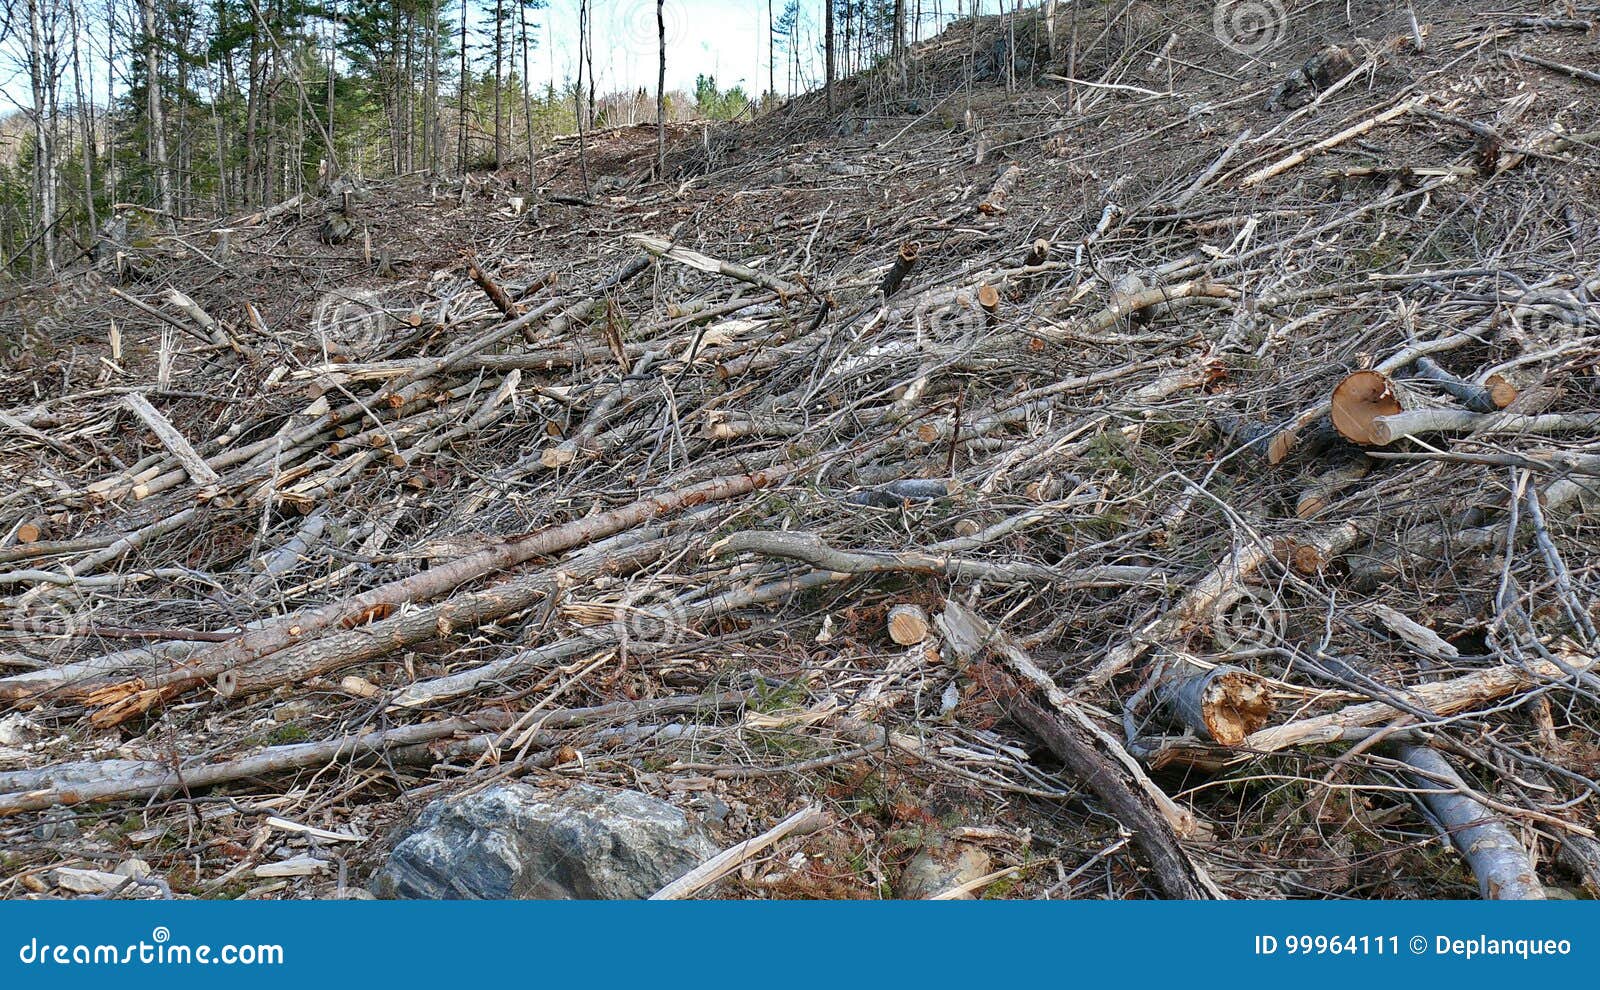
1096	488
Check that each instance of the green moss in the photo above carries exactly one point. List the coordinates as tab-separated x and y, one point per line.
285	735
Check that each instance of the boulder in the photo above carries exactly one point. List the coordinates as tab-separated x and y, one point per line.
935	870
517	841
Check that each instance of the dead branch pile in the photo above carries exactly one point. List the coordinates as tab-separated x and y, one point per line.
1118	453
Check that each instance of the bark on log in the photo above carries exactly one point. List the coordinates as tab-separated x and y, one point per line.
126	700
347	648
1442	698
1224	704
1033	700
811	549
176	443
497	295
994	204
1388	429
128	780
662	248
901	268
1494	394
1497	859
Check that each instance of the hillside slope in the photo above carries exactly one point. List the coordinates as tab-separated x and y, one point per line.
624	484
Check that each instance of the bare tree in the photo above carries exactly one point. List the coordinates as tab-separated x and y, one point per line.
42	75
499	76
583	137
827	53
463	143
85	111
661	92
527	95
157	122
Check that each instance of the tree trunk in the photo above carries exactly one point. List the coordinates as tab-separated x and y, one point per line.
661	92
85	120
527	97
499	85
158	135
42	80
463	142
828	54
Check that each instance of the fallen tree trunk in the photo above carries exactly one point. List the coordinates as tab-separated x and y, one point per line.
130	779
1089	753
1388	429
122	701
1224	704
1492	395
1497	859
1442	698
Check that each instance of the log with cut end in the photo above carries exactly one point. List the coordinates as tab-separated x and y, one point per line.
1318	495
994	204
1224	704
989	299
1492	395
908	625
1038	253
33	531
903	263
1361	399
496	293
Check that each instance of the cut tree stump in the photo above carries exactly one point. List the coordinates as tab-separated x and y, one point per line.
1224	704
1358	400
908	625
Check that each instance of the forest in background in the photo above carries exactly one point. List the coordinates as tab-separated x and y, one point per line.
196	108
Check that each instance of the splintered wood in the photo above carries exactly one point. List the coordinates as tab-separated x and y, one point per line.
951	463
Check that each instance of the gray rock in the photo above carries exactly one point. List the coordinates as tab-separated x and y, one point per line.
57	824
936	870
517	841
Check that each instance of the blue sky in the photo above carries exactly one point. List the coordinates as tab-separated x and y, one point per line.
726	38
